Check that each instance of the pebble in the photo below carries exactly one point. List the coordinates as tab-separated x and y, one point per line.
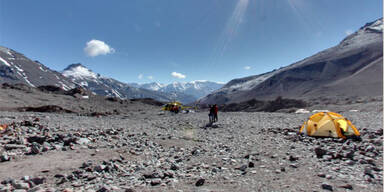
155	182
21	185
327	186
346	186
321	175
200	182
319	152
4	157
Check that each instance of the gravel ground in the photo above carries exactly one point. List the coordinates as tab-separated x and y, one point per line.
151	150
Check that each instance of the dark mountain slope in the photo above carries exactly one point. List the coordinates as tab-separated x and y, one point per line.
351	69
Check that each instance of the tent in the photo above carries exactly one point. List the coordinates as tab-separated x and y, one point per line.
329	124
3	127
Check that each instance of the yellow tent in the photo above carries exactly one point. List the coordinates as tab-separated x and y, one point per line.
329	124
3	127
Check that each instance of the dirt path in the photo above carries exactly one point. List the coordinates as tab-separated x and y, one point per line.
51	163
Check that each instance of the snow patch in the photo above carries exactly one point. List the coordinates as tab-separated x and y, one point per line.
302	111
18	68
5	62
84	83
42	69
376	26
116	93
26	79
64	86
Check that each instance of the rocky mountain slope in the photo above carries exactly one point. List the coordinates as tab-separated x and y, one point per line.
352	68
16	68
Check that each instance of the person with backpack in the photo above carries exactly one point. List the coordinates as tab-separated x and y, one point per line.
211	112
215	111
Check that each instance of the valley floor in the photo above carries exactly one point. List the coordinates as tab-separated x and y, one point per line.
156	151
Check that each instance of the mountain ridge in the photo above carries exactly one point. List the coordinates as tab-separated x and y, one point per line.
316	75
15	68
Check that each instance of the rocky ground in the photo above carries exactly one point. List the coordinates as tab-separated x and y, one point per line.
152	150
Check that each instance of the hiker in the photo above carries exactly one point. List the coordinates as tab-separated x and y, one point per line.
210	115
215	110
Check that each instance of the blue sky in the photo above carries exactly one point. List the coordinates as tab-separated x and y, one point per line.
147	40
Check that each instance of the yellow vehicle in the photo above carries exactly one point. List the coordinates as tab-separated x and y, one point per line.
172	105
175	107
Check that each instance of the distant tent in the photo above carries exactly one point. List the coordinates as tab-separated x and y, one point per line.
329	124
3	127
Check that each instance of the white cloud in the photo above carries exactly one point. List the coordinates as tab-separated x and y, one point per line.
178	75
140	76
95	47
150	77
348	32
247	67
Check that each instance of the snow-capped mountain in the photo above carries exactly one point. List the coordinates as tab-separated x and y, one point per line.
352	68
152	86
197	89
107	86
17	68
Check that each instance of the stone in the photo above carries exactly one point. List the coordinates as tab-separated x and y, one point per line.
349	154
174	167
200	182
20	190
369	148
350	162
292	158
14	146
321	175
100	168
4	157
242	168
36	139
37	189
59	176
320	152
346	186
83	141
38	180
151	175
35	149
327	186
104	189
251	164
195	152
155	182
368	171
20	185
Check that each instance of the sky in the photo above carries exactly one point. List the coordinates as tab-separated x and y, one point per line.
179	40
